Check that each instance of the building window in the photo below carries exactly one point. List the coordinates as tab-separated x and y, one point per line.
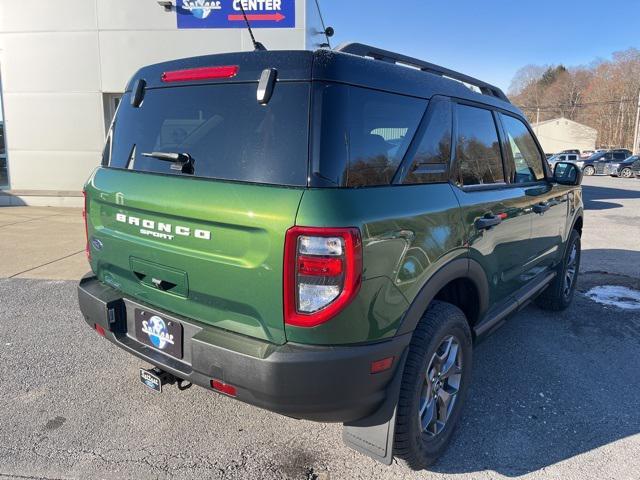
4	176
110	102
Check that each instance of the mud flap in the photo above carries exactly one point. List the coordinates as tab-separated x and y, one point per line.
373	435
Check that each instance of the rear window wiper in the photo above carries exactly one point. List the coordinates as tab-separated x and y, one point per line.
180	161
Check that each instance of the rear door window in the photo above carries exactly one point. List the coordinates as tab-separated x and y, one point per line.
478	156
222	127
431	159
524	151
364	134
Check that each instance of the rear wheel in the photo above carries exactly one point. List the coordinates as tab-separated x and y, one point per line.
434	385
559	294
626	173
589	170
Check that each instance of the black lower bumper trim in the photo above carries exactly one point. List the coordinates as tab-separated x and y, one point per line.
321	383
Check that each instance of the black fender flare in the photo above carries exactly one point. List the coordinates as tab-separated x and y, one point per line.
579	214
459	268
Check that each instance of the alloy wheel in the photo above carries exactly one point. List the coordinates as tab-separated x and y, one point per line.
441	386
626	172
571	271
589	170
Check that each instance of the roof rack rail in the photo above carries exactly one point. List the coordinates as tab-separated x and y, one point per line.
363	50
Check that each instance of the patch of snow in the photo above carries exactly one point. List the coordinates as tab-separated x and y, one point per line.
616	296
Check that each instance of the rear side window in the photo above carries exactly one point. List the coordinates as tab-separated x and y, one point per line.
222	127
524	151
431	160
477	147
364	134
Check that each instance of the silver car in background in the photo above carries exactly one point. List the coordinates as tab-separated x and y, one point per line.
565	157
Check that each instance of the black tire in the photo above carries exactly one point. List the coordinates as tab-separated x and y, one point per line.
589	170
412	445
626	173
556	296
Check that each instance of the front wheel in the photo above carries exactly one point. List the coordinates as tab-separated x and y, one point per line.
626	173
589	170
559	294
434	385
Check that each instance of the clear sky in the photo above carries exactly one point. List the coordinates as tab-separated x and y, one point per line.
489	39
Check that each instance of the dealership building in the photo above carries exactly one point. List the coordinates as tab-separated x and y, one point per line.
64	66
561	134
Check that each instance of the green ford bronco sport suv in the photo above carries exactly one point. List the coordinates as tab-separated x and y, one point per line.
325	235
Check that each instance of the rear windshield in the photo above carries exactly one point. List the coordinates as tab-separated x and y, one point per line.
223	128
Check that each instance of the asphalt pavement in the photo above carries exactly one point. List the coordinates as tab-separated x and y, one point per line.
553	395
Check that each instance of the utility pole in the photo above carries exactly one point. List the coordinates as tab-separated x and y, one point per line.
636	138
537	119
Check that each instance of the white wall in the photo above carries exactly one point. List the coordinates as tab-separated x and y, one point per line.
57	58
562	134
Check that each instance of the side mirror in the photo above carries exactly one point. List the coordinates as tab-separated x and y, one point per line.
567	173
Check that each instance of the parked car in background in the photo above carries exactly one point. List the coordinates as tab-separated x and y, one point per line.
623	168
564	157
635	169
574	151
596	163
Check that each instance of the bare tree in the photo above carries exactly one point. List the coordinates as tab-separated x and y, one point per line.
602	95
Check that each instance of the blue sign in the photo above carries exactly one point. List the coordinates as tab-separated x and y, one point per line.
228	14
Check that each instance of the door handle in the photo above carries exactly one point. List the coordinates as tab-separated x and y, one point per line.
541	207
488	221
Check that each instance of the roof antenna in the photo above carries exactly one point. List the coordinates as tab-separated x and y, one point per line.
326	31
257	46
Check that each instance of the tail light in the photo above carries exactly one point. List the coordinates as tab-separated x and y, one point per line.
322	273
85	213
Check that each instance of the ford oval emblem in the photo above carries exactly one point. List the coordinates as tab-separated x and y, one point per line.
97	244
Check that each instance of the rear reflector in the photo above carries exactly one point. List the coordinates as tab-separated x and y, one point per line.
381	365
204	73
224	388
100	330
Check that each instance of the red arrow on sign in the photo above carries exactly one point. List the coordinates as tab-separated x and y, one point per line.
277	17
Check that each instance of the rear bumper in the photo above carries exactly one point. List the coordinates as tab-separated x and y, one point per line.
321	383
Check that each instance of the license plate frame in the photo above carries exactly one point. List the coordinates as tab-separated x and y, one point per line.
159	332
